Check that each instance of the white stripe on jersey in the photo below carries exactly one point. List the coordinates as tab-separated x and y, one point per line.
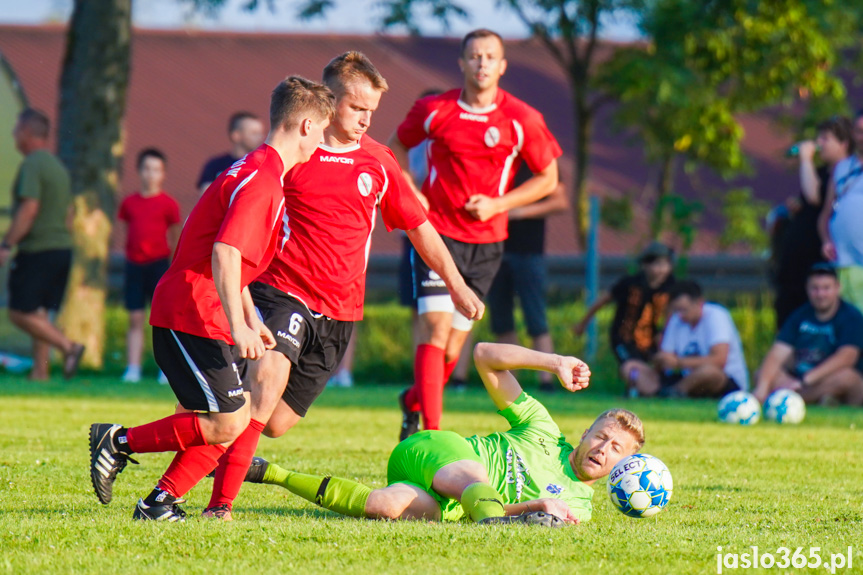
427	123
507	165
240	187
286	228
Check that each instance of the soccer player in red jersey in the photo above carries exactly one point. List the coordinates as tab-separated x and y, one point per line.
478	136
204	323
313	291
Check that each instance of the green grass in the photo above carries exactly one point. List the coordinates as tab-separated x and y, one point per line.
765	485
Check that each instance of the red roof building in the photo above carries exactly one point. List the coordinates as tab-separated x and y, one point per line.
185	85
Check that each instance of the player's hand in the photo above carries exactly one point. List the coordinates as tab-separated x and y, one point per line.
248	342
467	303
829	251
573	373
481	207
560	509
263	331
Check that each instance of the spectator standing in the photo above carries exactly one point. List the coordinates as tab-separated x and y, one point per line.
839	224
801	244
701	354
817	352
42	210
153	219
641	302
522	273
246	132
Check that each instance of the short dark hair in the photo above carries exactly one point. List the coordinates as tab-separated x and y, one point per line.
841	128
295	96
36	121
350	67
685	288
478	33
822	269
150	153
237	119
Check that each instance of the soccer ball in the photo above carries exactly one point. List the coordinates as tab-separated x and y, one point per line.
640	485
739	407
785	406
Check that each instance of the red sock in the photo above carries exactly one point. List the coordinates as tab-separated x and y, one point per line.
428	374
412	398
448	368
189	467
234	464
174	433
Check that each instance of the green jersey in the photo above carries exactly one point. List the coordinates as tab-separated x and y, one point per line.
42	177
531	460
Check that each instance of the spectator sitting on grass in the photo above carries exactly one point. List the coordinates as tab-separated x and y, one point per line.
700	354
817	352
641	301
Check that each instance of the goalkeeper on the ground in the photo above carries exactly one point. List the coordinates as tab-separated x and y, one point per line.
527	474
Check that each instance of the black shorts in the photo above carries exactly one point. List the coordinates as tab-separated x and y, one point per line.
477	263
669	379
205	374
140	282
38	280
627	351
314	343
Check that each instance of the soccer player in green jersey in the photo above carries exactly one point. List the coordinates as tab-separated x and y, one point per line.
527	474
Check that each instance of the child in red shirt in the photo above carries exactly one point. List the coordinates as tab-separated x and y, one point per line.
153	218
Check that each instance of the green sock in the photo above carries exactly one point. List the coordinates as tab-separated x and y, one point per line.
334	493
481	500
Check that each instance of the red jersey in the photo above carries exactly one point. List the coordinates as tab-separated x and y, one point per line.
475	151
242	208
149	218
330	207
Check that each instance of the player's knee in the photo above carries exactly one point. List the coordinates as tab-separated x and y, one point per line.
227	429
381	505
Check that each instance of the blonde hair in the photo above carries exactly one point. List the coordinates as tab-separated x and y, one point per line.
296	97
627	421
350	67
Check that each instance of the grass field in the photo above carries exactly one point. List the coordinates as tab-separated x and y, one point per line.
735	487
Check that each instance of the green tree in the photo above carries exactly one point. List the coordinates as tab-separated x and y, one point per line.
93	84
704	64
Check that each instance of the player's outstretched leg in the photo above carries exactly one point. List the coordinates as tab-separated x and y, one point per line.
334	493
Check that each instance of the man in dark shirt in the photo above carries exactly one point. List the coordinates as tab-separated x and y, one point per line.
641	301
817	352
801	244
246	132
522	273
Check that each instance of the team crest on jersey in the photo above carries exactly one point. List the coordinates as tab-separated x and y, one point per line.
364	183
492	137
554	489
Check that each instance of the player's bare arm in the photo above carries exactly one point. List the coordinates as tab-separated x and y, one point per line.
494	362
540	185
226	275
553	203
778	355
20	226
432	250
253	320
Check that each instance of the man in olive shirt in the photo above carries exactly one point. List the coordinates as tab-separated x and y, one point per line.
40	232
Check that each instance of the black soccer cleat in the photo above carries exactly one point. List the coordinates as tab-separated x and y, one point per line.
106	461
168	510
540	518
256	471
410	419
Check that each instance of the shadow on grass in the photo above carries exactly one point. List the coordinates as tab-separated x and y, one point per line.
289	512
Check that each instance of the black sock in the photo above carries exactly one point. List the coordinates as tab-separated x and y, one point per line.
159	497
120	441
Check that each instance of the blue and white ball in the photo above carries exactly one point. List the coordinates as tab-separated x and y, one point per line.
739	407
640	485
785	406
